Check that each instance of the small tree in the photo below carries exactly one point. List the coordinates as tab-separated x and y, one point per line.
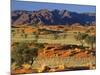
36	37
36	33
81	37
25	35
56	36
64	36
90	40
23	54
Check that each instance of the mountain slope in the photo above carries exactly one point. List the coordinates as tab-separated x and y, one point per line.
54	17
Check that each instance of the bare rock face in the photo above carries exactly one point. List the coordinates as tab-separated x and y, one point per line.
54	17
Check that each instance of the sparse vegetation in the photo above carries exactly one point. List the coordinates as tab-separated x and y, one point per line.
81	37
23	54
91	40
52	50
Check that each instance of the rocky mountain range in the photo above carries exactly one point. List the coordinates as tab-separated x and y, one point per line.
51	17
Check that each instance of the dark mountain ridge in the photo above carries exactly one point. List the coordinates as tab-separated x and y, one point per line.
54	17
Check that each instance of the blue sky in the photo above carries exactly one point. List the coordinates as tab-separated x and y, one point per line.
25	5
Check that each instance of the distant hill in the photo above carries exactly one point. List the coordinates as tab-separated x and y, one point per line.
54	17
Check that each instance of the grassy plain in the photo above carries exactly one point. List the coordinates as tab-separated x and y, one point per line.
55	56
